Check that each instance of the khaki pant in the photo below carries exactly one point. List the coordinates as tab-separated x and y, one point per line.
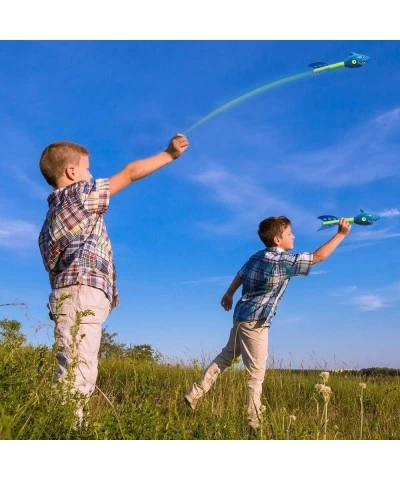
78	333
250	340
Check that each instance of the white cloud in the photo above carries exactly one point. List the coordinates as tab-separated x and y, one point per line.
342	164
204	281
366	238
247	200
369	303
367	235
290	320
356	246
391	212
250	193
34	188
18	234
388	118
345	291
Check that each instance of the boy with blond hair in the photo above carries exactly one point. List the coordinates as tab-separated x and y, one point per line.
77	253
264	277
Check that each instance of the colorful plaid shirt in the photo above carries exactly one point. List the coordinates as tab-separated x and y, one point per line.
265	277
74	243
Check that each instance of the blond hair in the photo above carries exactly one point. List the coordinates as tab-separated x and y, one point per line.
57	156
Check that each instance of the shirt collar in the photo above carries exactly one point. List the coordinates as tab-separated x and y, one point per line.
275	249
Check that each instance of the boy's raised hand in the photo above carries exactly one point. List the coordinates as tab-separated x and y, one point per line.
177	145
344	226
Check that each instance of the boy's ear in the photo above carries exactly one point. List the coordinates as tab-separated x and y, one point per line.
277	240
70	171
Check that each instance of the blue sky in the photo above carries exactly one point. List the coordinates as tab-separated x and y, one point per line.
327	144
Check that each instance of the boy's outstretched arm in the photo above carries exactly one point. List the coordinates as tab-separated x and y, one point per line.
329	247
227	299
141	168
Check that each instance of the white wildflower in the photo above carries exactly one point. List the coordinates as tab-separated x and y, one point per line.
292	418
324	389
363	385
324	376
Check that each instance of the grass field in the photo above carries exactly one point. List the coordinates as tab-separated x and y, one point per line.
144	400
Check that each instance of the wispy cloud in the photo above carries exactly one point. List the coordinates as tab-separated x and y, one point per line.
208	280
18	234
343	165
34	188
379	299
369	303
391	212
248	201
367	238
345	291
388	119
355	246
319	272
249	192
367	235
290	320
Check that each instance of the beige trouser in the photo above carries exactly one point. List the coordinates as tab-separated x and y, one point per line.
249	339
78	334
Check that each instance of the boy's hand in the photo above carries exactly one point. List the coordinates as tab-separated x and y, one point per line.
177	145
344	227
227	301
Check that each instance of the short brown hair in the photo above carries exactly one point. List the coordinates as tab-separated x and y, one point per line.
56	157
272	227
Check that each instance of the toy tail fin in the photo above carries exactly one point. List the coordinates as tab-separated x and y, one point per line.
328	221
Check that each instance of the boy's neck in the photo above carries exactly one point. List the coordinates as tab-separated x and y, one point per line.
64	182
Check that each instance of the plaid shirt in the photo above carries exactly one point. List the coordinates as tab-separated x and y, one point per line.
265	277
74	243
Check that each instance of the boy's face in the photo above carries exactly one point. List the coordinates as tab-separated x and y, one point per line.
81	171
286	240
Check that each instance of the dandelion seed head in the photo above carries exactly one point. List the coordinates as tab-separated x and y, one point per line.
363	385
292	418
324	376
324	390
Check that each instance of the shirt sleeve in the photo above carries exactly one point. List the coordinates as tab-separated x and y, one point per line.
96	195
298	264
240	273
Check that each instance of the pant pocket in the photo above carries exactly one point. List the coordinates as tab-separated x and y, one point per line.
59	304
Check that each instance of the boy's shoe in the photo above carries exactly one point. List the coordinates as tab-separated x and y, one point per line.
254	421
191	402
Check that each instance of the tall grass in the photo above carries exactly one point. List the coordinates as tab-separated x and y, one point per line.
144	400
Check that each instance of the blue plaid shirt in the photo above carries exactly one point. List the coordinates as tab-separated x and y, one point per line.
265	277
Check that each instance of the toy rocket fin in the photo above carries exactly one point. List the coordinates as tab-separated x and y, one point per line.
318	64
327	218
324	227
